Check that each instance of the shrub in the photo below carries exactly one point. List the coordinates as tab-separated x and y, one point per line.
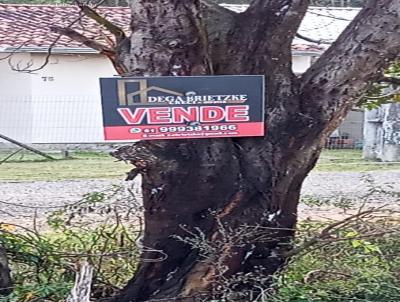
102	229
351	269
355	260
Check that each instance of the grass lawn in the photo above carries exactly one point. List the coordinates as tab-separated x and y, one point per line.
82	165
96	165
350	160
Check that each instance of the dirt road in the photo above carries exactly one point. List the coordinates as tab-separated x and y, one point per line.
20	200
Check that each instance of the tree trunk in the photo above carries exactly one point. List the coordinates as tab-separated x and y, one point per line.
215	187
5	277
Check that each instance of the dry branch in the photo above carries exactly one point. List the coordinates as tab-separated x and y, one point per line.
326	234
83	282
114	29
308	39
390	80
78	37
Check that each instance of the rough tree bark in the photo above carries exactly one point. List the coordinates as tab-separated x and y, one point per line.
246	180
5	277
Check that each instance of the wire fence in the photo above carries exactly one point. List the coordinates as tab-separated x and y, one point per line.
41	119
77	119
61	124
349	135
343	143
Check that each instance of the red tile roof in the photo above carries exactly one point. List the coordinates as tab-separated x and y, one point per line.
27	27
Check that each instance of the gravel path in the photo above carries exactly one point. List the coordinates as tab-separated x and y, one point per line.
20	201
16	198
338	188
349	184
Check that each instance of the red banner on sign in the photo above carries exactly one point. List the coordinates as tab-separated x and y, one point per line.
148	132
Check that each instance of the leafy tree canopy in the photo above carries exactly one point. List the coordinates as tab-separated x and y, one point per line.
386	91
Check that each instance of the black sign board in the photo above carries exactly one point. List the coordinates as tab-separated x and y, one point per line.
182	107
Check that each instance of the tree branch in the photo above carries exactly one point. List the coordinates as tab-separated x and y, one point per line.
27	68
300	36
284	15
103	49
352	64
328	231
74	35
261	43
383	96
389	80
112	28
272	23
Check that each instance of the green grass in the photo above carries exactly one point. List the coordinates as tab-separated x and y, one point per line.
350	160
82	165
26	166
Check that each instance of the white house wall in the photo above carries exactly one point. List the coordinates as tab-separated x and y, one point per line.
61	102
301	63
15	99
352	126
66	99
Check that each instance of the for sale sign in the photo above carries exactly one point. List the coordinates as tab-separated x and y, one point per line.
182	107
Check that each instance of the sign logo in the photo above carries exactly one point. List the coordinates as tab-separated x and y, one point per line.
139	97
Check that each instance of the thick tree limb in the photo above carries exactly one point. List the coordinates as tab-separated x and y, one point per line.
261	43
266	30
171	41
356	60
283	15
275	22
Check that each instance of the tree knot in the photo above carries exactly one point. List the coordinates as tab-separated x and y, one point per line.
138	154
